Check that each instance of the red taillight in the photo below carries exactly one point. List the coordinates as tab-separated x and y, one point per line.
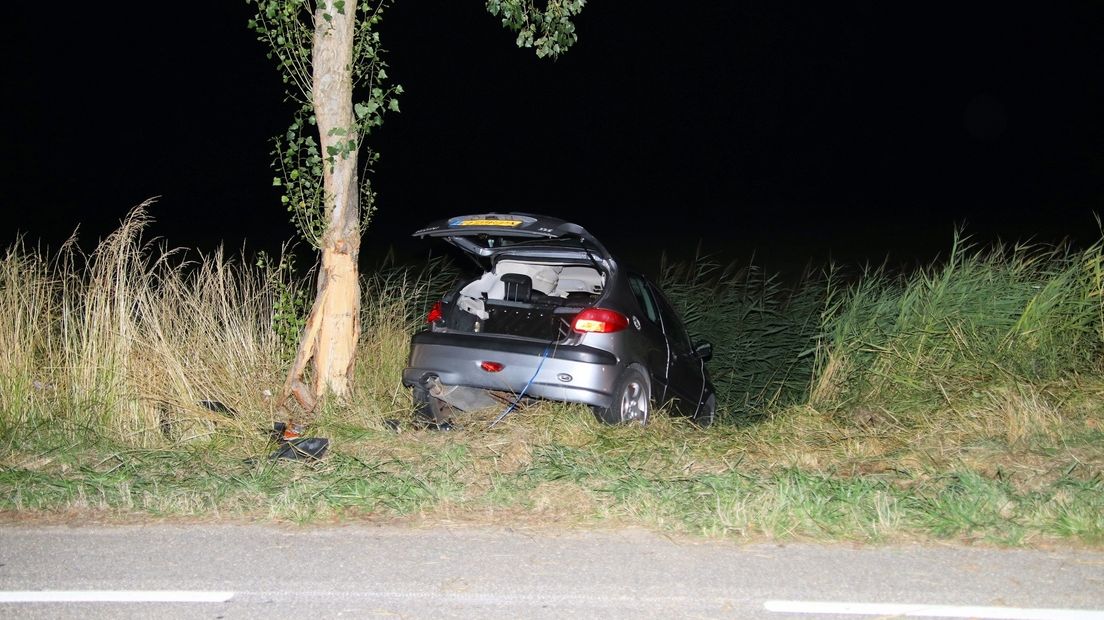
599	320
491	366
435	313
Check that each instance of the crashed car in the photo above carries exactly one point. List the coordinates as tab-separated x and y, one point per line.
552	315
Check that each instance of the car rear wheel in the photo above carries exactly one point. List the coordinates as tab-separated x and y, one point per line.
632	400
429	411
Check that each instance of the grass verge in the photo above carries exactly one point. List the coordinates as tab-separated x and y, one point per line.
962	402
798	476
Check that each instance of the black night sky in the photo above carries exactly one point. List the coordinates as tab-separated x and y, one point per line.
789	131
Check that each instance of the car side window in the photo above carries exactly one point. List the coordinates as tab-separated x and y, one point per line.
672	325
644	297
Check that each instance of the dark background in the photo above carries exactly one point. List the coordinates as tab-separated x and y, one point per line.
791	132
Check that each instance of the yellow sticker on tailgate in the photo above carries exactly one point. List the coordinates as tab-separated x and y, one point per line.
505	223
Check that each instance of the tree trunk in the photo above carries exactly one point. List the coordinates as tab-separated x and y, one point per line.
333	326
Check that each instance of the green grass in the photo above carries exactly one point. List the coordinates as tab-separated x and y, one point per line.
949	336
763	332
555	466
961	402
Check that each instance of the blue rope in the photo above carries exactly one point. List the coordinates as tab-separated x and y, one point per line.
505	413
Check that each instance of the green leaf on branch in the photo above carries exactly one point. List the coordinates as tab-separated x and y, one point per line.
549	30
288	28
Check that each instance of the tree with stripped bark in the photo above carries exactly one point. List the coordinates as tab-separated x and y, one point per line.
330	56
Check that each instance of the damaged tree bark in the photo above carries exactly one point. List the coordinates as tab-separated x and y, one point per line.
333	325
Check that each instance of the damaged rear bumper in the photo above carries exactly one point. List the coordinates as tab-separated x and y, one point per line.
577	374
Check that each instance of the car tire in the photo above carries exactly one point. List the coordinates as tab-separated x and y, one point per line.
429	411
707	412
632	400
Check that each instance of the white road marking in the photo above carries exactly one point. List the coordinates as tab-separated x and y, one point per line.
115	596
932	611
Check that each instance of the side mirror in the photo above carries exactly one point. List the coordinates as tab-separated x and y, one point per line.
704	351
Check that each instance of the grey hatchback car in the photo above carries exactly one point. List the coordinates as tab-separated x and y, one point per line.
552	315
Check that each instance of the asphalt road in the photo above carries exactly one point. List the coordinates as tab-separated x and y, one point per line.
247	571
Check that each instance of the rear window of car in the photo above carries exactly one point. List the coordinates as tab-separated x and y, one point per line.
644	297
672	325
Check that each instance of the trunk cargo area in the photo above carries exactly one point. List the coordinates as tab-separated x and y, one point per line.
525	300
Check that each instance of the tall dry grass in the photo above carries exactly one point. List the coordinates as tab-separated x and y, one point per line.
130	341
127	341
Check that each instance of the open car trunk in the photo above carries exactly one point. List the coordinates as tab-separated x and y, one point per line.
526	299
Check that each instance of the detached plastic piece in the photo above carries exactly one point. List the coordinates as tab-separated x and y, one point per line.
277	432
283	431
292	431
302	449
218	407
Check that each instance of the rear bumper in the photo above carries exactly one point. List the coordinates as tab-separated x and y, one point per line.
575	374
